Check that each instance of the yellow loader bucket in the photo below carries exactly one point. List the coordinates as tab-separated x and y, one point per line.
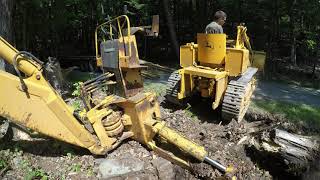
259	59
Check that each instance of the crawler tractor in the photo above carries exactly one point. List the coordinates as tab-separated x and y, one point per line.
122	111
217	72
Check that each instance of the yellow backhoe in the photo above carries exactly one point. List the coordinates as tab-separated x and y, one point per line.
122	111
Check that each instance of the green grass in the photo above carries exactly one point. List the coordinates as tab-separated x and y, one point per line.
76	76
3	163
32	172
295	79
75	167
306	114
36	174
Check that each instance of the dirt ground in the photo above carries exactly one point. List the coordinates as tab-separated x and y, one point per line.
225	143
43	158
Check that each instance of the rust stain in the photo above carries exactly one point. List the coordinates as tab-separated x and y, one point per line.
28	118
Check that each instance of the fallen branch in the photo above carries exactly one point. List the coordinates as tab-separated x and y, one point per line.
156	66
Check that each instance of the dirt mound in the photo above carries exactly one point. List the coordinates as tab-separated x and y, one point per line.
222	143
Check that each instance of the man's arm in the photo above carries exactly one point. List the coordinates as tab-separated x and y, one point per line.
210	30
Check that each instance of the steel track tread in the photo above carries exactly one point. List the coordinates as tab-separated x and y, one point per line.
235	102
173	88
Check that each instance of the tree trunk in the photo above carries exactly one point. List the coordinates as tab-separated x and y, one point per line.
171	28
283	152
5	23
277	20
315	61
6	19
54	75
293	54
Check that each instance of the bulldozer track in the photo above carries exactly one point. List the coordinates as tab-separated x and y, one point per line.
173	88
237	99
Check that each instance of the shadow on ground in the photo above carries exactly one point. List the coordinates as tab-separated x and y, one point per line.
196	107
43	147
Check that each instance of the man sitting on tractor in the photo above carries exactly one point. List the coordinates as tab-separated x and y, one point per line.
215	27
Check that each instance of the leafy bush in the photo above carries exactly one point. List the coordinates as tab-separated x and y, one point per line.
76	92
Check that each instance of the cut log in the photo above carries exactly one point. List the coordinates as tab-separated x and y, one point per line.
281	152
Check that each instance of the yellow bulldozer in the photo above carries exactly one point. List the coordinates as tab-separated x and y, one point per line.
122	111
218	70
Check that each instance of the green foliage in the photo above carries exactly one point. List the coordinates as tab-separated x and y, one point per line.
44	25
3	163
70	155
76	104
77	89
309	43
32	172
6	157
75	167
69	151
36	174
136	5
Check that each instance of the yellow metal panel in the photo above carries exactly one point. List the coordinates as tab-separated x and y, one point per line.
132	78
43	111
237	61
221	86
245	61
178	140
186	84
141	108
8	53
128	56
211	48
259	58
208	73
99	61
188	54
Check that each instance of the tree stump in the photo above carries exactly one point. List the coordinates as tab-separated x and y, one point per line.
282	152
55	76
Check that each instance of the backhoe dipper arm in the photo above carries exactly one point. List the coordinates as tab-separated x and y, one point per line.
39	107
184	144
8	53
